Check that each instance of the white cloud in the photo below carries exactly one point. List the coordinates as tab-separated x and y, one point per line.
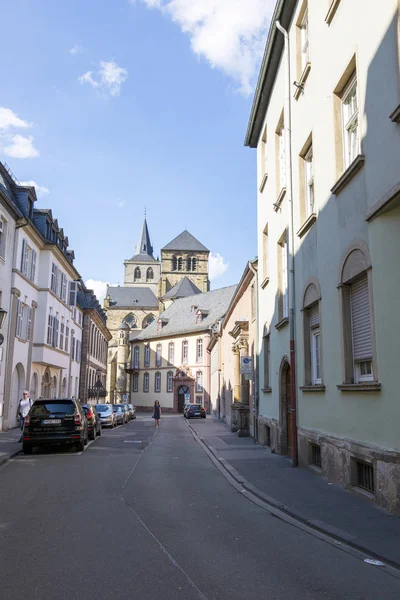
121	203
19	146
228	35
76	49
109	77
99	288
217	266
40	189
8	118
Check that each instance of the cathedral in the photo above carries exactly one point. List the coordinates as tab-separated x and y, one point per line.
151	285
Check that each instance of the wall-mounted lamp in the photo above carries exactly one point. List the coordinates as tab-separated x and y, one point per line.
3	314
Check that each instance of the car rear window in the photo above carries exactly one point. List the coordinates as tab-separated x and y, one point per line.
103	408
52	408
195	406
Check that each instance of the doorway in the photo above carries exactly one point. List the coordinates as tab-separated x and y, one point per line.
286	410
183	399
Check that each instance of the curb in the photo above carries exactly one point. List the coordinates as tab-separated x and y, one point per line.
4	458
317	526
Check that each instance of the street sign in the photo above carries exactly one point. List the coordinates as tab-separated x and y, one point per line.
125	397
187	396
246	365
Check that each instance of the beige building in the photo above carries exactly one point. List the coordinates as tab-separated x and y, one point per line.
233	338
325	122
169	360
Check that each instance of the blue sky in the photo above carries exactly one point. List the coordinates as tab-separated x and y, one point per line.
113	106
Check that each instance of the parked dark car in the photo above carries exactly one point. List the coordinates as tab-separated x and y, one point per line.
106	414
119	413
55	421
133	411
195	410
128	413
93	419
185	409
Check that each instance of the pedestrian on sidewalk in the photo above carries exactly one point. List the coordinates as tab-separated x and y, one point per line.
157	413
24	407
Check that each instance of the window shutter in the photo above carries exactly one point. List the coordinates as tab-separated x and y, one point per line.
313	315
29	332
33	266
23	255
72	293
361	320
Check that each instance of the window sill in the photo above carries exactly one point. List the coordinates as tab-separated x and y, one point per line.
263	182
395	116
360	387
282	323
313	388
280	198
331	12
348	175
301	83
307	225
267	390
265	282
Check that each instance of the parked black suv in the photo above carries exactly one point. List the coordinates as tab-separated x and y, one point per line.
55	421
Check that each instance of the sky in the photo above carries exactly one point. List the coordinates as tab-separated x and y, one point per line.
111	108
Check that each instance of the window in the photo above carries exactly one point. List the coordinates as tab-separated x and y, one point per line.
72	294
185	352
66	337
174	263
180	264
199	352
265	255
309	181
130	320
171	353
28	261
158	355
149	274
253	302
3	235
266	356
315	344
73	347
281	152
191	263
199	381
157	382
147	355
169	381
357	320
146	382
50	327
283	279
136	357
137	274
351	135
62	330
54	278
312	335
305	58
136	382
24	321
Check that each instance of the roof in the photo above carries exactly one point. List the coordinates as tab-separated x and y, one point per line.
185	287
144	258
284	10
130	297
144	247
186	241
182	319
86	299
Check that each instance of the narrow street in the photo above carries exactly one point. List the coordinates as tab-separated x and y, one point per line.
145	514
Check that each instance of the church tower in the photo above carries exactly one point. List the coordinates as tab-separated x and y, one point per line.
143	270
184	261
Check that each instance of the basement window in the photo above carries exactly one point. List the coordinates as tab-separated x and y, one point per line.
365	476
315	455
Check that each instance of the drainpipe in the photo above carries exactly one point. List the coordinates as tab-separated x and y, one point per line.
291	282
256	379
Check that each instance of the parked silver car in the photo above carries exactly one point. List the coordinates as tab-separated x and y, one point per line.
107	416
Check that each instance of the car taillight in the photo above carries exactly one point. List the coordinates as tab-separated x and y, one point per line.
77	419
27	420
89	414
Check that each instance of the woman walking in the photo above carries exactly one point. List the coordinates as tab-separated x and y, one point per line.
157	413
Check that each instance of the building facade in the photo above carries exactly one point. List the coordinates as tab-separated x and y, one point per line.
328	232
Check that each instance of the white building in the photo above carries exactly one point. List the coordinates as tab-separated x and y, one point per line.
325	122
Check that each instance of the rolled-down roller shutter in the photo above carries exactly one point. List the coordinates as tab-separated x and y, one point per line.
361	320
313	315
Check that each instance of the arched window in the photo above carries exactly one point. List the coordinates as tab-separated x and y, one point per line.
189	263
199	350
157	382
130	320
146	382
194	263
158	355
169	381
136	357
312	334
148	321
174	263
136	382
185	352
199	381
138	274
171	353
147	355
180	263
149	274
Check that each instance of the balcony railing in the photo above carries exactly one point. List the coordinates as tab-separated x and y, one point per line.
97	393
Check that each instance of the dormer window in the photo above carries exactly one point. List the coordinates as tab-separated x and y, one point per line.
200	315
161	323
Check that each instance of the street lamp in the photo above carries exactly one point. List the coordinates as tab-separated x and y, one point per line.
3	314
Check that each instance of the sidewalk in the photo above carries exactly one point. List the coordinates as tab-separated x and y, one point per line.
9	445
345	515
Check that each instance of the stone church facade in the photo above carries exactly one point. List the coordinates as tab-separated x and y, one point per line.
150	286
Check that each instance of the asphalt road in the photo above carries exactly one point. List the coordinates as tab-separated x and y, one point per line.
145	514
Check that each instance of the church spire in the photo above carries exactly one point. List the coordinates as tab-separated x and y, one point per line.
144	245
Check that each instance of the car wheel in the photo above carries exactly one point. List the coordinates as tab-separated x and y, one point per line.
86	438
80	446
27	448
203	417
99	432
187	416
